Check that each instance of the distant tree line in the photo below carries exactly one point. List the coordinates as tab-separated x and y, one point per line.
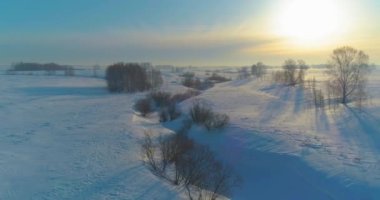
49	68
132	77
21	66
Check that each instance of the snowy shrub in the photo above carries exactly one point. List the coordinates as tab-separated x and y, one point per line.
216	121
143	106
188	75
177	98
163	102
160	98
217	78
169	113
202	114
192	83
167	103
196	83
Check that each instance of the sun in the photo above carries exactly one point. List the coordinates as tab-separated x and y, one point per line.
309	21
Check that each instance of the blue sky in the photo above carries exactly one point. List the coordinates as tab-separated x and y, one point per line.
186	32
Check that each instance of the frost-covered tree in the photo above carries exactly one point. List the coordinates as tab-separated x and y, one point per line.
348	68
302	67
293	72
258	70
290	68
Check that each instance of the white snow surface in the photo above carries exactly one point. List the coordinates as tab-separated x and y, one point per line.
68	138
286	149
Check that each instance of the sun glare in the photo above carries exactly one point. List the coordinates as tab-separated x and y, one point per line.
309	21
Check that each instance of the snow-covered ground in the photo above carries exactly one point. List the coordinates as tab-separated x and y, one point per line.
286	149
68	138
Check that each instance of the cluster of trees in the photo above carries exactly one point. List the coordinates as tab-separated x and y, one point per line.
163	102
183	162
293	72
132	77
166	104
216	78
258	70
49	68
189	80
347	77
21	66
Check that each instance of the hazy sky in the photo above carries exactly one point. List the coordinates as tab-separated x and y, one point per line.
185	32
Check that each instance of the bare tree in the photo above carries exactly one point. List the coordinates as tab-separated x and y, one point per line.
195	165
302	67
290	67
149	152
258	70
208	177
348	68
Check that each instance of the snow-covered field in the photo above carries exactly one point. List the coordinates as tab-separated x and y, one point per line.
286	149
68	138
